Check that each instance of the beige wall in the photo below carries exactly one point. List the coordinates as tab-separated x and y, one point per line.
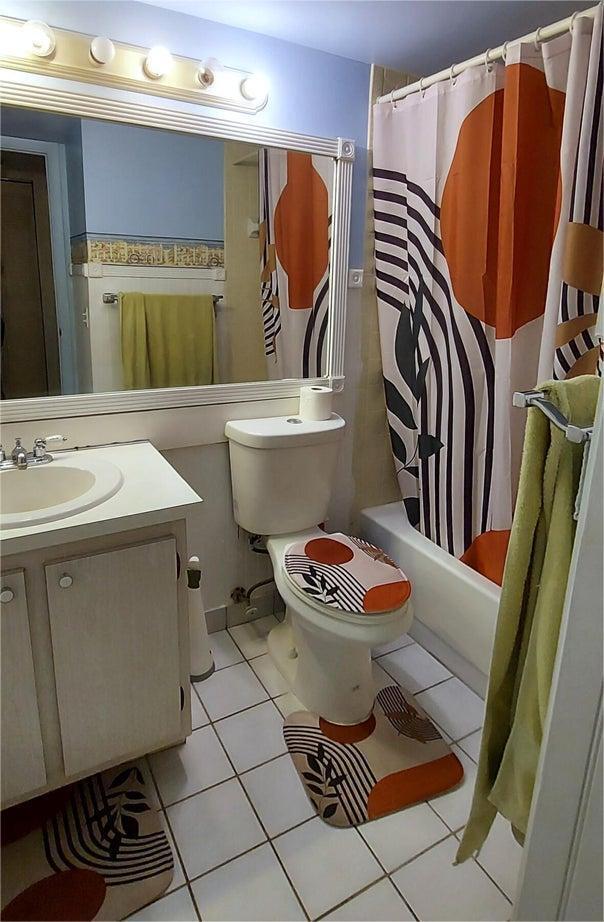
373	466
243	318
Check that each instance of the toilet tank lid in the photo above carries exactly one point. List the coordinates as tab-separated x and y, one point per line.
284	431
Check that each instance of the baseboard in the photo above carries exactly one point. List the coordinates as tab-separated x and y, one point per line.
216	619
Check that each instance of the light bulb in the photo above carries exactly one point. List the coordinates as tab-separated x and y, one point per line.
207	70
39	38
102	50
254	87
158	62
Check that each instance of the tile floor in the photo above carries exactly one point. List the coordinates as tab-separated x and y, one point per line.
247	842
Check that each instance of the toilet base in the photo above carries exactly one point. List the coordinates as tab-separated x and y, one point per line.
331	676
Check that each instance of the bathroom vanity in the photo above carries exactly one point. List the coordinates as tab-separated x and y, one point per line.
95	645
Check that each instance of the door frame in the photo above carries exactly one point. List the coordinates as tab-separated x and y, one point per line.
58	207
572	737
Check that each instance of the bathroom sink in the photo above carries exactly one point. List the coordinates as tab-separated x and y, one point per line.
61	488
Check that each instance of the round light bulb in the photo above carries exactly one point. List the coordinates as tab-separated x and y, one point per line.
39	38
102	50
158	62
254	87
205	75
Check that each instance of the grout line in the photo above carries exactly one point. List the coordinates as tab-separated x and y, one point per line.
419	854
352	896
386	871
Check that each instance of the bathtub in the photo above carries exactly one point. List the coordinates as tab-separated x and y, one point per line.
455	608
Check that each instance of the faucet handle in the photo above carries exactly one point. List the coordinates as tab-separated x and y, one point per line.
54	438
40	444
2	454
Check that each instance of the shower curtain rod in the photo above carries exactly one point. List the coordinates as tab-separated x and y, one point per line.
488	56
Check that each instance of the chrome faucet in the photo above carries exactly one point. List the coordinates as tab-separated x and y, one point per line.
21	459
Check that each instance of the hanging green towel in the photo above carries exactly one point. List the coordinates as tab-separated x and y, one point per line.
167	340
530	611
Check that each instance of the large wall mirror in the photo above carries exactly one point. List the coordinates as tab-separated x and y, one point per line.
136	257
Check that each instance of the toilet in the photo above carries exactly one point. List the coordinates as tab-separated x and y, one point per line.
342	595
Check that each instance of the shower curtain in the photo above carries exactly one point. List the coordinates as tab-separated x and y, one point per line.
295	225
488	251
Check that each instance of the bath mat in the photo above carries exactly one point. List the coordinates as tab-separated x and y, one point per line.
347	573
95	849
357	773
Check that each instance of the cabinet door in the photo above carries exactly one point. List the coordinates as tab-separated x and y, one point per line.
23	768
114	627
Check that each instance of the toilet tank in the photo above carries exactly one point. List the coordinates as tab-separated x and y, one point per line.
282	471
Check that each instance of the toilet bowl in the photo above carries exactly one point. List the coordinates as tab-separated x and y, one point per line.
342	596
324	653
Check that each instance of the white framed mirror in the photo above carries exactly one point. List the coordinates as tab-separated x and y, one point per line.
157	257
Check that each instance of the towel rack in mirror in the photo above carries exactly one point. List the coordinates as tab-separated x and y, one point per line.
110	297
537	399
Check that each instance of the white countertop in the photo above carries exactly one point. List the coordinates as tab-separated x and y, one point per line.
152	492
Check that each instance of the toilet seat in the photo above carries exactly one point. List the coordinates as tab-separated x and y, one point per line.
344	577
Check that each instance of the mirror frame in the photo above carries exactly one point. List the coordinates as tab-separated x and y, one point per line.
50	94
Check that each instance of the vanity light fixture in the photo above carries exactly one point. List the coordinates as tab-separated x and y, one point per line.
158	62
255	87
39	38
102	50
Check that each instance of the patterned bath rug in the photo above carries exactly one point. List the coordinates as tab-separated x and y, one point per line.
95	849
357	773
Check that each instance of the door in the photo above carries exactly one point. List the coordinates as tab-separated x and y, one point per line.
23	768
29	333
114	628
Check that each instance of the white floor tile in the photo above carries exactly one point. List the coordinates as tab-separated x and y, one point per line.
277	794
253	736
454	707
400	836
381	679
251	637
454	806
437	890
230	690
252	887
213	827
500	856
413	668
191	767
471	745
176	907
326	865
380	903
288	703
199	718
269	675
392	645
224	650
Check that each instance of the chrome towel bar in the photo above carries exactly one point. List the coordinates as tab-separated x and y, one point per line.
537	399
110	297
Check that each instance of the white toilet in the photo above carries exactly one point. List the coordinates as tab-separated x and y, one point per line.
342	595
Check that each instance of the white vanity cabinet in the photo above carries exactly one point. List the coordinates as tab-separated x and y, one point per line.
95	656
23	766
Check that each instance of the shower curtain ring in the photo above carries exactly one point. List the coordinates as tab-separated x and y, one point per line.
421	87
572	21
392	99
452	77
504	51
537	39
486	61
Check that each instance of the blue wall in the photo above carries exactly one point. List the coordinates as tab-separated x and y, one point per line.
152	183
311	92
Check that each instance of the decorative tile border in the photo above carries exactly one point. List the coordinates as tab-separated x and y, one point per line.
133	251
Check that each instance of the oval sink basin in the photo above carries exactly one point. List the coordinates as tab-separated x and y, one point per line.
47	492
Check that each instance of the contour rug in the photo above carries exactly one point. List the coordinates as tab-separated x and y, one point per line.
356	773
92	850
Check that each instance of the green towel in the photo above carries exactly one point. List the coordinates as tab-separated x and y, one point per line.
167	340
530	610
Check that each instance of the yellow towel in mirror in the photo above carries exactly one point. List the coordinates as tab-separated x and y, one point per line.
167	340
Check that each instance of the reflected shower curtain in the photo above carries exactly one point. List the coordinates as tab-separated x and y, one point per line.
488	250
295	224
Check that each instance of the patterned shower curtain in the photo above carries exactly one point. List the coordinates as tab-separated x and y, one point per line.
488	251
295	226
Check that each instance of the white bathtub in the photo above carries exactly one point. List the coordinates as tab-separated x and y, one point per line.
455	608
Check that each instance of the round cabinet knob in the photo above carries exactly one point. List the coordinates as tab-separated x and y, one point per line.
65	581
6	594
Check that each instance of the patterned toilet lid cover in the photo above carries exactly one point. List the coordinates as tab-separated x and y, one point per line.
347	573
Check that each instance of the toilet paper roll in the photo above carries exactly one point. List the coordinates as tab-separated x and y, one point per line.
315	402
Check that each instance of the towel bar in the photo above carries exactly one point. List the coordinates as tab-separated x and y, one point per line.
110	297
537	399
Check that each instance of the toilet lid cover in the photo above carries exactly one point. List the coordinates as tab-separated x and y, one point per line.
347	573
